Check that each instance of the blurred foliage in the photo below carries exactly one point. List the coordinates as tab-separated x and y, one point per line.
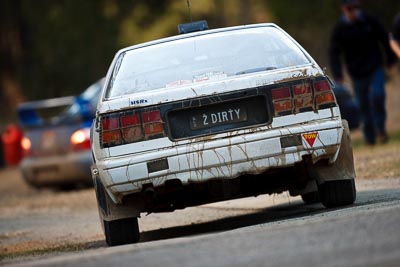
52	48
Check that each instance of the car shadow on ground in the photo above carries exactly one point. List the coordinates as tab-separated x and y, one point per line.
276	213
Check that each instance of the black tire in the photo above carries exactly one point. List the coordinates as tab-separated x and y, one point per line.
337	193
122	231
117	232
311	197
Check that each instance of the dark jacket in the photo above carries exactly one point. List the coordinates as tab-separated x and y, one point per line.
396	28
361	44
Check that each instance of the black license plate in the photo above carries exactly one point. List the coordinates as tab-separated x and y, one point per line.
217	116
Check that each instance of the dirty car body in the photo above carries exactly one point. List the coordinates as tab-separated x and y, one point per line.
57	139
216	115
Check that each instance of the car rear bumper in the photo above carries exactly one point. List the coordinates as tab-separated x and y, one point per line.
60	169
249	153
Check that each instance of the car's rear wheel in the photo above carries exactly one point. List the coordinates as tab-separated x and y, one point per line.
311	197
337	193
122	231
119	231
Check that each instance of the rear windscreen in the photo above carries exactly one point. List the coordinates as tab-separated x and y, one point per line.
203	58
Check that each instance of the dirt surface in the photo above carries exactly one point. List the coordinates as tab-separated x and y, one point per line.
43	222
36	223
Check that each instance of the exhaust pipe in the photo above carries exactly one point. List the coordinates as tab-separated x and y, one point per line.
149	192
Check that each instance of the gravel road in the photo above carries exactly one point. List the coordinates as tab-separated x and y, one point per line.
263	231
40	224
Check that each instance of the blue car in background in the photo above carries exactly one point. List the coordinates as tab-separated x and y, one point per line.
56	140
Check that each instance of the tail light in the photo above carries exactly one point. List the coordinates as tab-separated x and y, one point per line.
323	94
26	146
302	96
111	135
80	140
152	124
129	127
282	100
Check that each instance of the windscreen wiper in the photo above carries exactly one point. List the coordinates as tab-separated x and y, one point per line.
255	70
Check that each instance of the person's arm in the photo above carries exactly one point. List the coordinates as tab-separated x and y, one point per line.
395	45
384	40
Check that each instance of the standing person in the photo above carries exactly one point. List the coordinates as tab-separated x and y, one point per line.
395	36
361	41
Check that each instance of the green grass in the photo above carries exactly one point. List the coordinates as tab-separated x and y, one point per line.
358	143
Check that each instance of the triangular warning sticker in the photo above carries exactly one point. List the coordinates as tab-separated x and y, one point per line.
310	138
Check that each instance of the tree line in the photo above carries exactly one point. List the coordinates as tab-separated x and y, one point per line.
53	48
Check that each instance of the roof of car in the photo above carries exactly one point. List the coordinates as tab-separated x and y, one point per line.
198	33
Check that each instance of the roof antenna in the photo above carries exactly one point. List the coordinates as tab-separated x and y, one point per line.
190	12
191	26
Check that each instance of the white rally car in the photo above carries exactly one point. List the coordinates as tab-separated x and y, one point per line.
214	115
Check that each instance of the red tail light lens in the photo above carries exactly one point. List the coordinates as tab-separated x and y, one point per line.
110	123
152	124
283	107
322	86
324	96
302	89
111	138
80	140
151	116
132	126
111	134
281	93
26	146
132	134
282	100
153	128
303	98
130	120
